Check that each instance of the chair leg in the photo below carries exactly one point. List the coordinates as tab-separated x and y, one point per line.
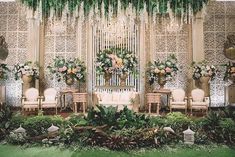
185	111
158	107
170	109
83	107
149	108
75	107
56	110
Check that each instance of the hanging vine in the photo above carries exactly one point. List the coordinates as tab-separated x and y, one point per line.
179	7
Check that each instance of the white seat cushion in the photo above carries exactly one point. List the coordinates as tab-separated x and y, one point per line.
179	103
199	103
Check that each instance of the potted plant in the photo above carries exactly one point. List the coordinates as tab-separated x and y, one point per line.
202	74
229	72
68	70
4	71
27	71
162	71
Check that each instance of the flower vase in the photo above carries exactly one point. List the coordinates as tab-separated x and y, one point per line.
205	85
123	78
161	80
107	77
28	82
69	80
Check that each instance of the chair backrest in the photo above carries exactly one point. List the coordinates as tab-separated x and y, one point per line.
31	94
50	94
198	95
178	95
2	94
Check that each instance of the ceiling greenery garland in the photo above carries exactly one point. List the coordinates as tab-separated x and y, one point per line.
178	7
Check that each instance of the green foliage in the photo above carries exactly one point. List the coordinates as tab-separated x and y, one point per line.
17	138
38	125
5	116
128	118
102	115
152	6
178	121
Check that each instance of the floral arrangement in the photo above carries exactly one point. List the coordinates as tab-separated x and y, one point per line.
230	70
4	71
201	69
72	68
166	68
28	68
116	60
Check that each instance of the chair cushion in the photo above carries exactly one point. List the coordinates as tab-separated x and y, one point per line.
178	95
198	95
125	96
179	103
31	94
196	103
115	96
106	96
50	94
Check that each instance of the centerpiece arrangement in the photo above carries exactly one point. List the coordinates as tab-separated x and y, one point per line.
202	74
27	71
230	72
4	71
68	70
116	60
162	71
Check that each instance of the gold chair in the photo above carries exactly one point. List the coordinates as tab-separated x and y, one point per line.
198	101
31	100
49	100
178	100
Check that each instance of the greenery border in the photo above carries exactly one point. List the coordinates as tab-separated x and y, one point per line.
152	6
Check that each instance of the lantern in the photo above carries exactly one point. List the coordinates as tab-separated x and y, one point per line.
189	136
20	130
52	131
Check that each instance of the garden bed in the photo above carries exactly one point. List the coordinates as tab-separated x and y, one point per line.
122	131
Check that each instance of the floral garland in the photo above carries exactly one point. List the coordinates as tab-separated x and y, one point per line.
56	7
63	69
202	69
166	68
28	68
4	71
230	71
116	60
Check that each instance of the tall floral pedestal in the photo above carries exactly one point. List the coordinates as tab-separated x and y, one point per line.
161	80
203	83
123	78
107	77
28	82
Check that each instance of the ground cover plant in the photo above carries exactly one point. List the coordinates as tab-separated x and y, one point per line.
105	127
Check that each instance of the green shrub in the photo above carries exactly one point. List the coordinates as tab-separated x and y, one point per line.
17	138
38	125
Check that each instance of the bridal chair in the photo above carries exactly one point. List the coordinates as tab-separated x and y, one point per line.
2	96
49	99
178	100
31	100
198	101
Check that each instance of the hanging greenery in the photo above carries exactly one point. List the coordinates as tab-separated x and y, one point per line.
179	7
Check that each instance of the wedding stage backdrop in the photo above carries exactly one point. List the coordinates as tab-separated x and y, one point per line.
147	40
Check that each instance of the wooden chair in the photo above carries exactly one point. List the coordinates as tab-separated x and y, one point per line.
198	101
31	100
153	98
178	100
49	100
79	98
